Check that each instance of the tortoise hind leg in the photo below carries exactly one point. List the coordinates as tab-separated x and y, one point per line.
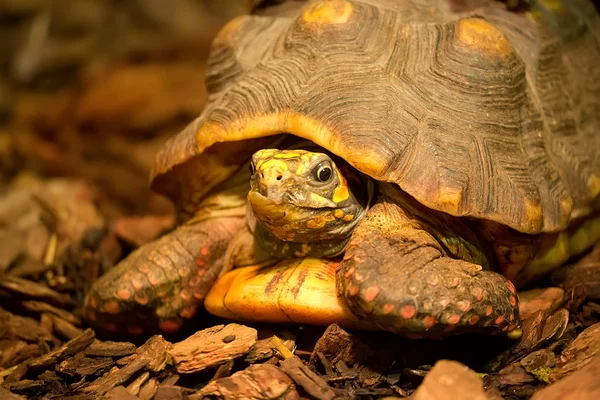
397	275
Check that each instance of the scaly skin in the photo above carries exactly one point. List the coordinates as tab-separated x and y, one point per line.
161	284
397	275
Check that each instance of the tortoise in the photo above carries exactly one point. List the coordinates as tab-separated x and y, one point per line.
382	164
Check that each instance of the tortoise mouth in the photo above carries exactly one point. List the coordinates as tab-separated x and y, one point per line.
265	208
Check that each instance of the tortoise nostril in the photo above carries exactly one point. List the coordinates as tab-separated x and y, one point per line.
279	177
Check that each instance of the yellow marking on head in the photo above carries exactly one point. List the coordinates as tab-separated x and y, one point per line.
317	222
272	163
327	12
593	184
483	36
304	157
341	191
338	213
348	218
301	169
286	155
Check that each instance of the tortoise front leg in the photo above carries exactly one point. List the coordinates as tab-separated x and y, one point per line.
397	275
162	283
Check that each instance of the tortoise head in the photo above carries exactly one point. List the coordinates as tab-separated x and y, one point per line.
303	196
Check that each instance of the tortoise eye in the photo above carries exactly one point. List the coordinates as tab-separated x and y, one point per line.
252	168
323	172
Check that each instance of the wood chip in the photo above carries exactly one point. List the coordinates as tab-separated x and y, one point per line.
85	366
41	307
110	349
70	348
152	356
212	346
450	380
168	392
580	385
32	290
64	328
8	395
119	393
579	353
25	328
585	273
547	300
26	387
303	376
134	387
148	389
258	381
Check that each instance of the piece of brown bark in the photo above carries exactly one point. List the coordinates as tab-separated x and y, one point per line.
8	395
585	273
547	300
580	385
85	366
450	380
41	308
70	348
36	291
152	356
148	389
303	376
212	346
579	353
110	349
258	381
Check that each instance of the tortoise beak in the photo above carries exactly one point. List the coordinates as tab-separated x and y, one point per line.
265	208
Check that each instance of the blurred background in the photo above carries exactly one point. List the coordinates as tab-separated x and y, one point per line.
92	88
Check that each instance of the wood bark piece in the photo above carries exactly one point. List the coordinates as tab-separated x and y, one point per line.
8	395
135	386
64	328
70	348
580	385
119	393
450	380
258	381
17	327
303	376
33	290
547	300
84	366
110	349
41	307
148	389
152	356
585	273
337	344
170	392
212	346
579	353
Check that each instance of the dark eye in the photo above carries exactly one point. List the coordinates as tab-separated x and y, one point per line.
323	172
252	168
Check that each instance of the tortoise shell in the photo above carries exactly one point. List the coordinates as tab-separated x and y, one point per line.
481	112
